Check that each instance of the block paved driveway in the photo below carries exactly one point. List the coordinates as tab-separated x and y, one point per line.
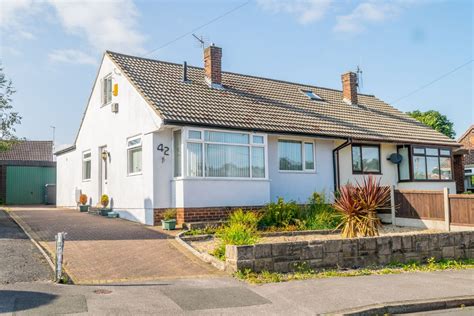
103	250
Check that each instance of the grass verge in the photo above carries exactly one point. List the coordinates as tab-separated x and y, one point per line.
302	272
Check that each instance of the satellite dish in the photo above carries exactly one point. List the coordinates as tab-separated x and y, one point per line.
395	158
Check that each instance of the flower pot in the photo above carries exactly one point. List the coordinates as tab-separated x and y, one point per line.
104	211
168	224
83	208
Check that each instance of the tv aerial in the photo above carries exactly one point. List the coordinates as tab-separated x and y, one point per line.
201	41
360	82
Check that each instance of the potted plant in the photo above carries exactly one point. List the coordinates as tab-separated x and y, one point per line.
104	201
83	207
169	219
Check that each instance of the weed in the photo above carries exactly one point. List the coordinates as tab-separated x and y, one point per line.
303	272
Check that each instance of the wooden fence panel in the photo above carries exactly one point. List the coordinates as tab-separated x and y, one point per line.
419	204
461	209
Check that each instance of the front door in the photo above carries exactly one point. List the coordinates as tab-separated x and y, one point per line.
103	169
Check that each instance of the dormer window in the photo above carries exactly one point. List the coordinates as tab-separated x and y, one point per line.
107	89
311	95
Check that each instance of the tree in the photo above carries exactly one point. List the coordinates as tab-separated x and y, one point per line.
8	117
435	120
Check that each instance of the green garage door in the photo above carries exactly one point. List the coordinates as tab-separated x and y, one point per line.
25	185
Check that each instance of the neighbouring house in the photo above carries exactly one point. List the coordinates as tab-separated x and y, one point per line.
158	135
467	142
28	173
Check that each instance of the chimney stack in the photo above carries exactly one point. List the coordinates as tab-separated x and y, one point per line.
212	65
349	88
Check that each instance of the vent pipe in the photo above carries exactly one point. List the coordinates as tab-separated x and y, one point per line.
185	72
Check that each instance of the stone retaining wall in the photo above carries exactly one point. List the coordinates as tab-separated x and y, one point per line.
350	253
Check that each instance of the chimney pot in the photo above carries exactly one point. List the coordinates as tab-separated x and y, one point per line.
212	65
349	88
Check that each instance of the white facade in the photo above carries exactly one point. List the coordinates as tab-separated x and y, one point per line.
135	196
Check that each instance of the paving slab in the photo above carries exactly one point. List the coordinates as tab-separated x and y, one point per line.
103	250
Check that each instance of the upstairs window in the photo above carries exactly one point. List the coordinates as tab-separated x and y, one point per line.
296	155
134	156
86	165
107	89
365	159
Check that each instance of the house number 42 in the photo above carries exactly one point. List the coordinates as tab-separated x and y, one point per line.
164	149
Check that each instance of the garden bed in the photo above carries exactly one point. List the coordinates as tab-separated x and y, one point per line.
207	243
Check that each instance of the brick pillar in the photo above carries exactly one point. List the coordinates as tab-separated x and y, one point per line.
349	87
458	172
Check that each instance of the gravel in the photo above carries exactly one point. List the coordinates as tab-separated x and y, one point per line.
20	260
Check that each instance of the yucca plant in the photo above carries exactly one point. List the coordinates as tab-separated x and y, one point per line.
351	213
358	206
371	196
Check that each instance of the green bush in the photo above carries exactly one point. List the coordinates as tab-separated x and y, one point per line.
249	218
319	213
280	214
240	230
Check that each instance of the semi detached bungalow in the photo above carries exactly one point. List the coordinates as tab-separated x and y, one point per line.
158	135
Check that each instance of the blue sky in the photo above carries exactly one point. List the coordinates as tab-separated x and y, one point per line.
51	49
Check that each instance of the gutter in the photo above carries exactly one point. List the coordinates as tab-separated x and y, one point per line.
335	162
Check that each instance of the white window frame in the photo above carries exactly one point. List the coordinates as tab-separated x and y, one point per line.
303	141
103	94
84	160
130	147
184	152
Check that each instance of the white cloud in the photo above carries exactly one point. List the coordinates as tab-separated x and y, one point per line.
368	12
306	11
105	24
13	13
72	56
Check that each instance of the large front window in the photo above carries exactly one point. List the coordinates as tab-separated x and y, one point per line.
431	163
218	154
424	163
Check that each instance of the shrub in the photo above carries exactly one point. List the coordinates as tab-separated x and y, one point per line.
358	206
104	200
319	213
240	230
281	214
83	199
169	214
249	218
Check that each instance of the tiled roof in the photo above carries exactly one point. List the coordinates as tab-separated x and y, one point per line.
29	150
254	103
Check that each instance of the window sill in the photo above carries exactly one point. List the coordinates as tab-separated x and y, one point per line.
86	180
134	174
298	171
366	173
420	180
219	179
103	105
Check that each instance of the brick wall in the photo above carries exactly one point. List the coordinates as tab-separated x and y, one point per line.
195	214
350	253
467	142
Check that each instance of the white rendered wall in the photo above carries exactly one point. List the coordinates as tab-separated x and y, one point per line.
298	186
132	196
